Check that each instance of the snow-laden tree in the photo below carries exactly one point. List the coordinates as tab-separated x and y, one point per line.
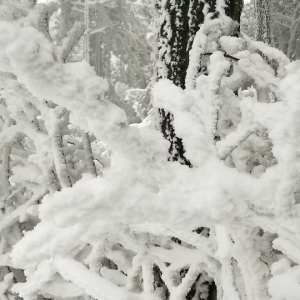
121	52
139	230
112	36
59	152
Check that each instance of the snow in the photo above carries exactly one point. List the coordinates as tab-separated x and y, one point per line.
19	212
285	283
101	236
95	286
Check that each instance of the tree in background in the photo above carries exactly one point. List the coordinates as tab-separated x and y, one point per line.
121	52
286	27
263	23
118	47
248	19
275	22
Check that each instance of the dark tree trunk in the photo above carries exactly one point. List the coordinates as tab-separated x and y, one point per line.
234	9
175	38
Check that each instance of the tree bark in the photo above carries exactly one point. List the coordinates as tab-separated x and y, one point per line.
234	9
175	37
177	28
262	28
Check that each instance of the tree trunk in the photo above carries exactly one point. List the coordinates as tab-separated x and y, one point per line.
234	9
262	28
175	37
177	28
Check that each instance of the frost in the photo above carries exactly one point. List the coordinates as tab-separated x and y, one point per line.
92	207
